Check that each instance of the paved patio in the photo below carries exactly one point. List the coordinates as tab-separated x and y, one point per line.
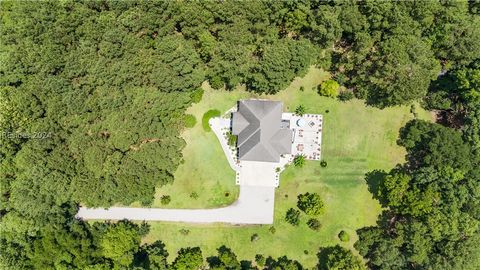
307	130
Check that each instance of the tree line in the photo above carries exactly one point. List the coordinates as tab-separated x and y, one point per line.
433	200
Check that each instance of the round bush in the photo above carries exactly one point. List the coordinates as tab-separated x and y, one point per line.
323	163
165	199
206	117
329	88
343	236
190	121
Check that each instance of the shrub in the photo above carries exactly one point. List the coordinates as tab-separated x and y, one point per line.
329	88
323	163
197	95
345	96
314	224
165	199
206	117
190	121
232	139
293	217
300	110
254	237
299	161
260	260
310	203
302	88
343	236
194	195
272	230
184	231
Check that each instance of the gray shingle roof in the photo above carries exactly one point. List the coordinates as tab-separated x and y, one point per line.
257	125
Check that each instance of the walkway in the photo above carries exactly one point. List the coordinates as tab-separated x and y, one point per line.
255	205
219	126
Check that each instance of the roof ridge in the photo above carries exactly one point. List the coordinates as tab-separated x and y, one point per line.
250	123
261	137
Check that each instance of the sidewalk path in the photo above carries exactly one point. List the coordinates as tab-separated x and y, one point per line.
220	125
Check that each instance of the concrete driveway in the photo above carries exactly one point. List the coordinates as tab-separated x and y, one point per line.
255	205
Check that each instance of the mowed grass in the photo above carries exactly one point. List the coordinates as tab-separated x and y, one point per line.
356	139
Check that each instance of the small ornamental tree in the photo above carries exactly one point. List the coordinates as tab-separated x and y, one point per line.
293	217
300	110
329	88
299	161
310	203
314	224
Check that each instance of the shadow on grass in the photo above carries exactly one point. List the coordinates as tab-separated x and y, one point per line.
374	180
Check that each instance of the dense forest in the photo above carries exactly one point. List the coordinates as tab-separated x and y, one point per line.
92	101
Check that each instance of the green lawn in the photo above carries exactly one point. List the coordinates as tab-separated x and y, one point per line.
356	139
